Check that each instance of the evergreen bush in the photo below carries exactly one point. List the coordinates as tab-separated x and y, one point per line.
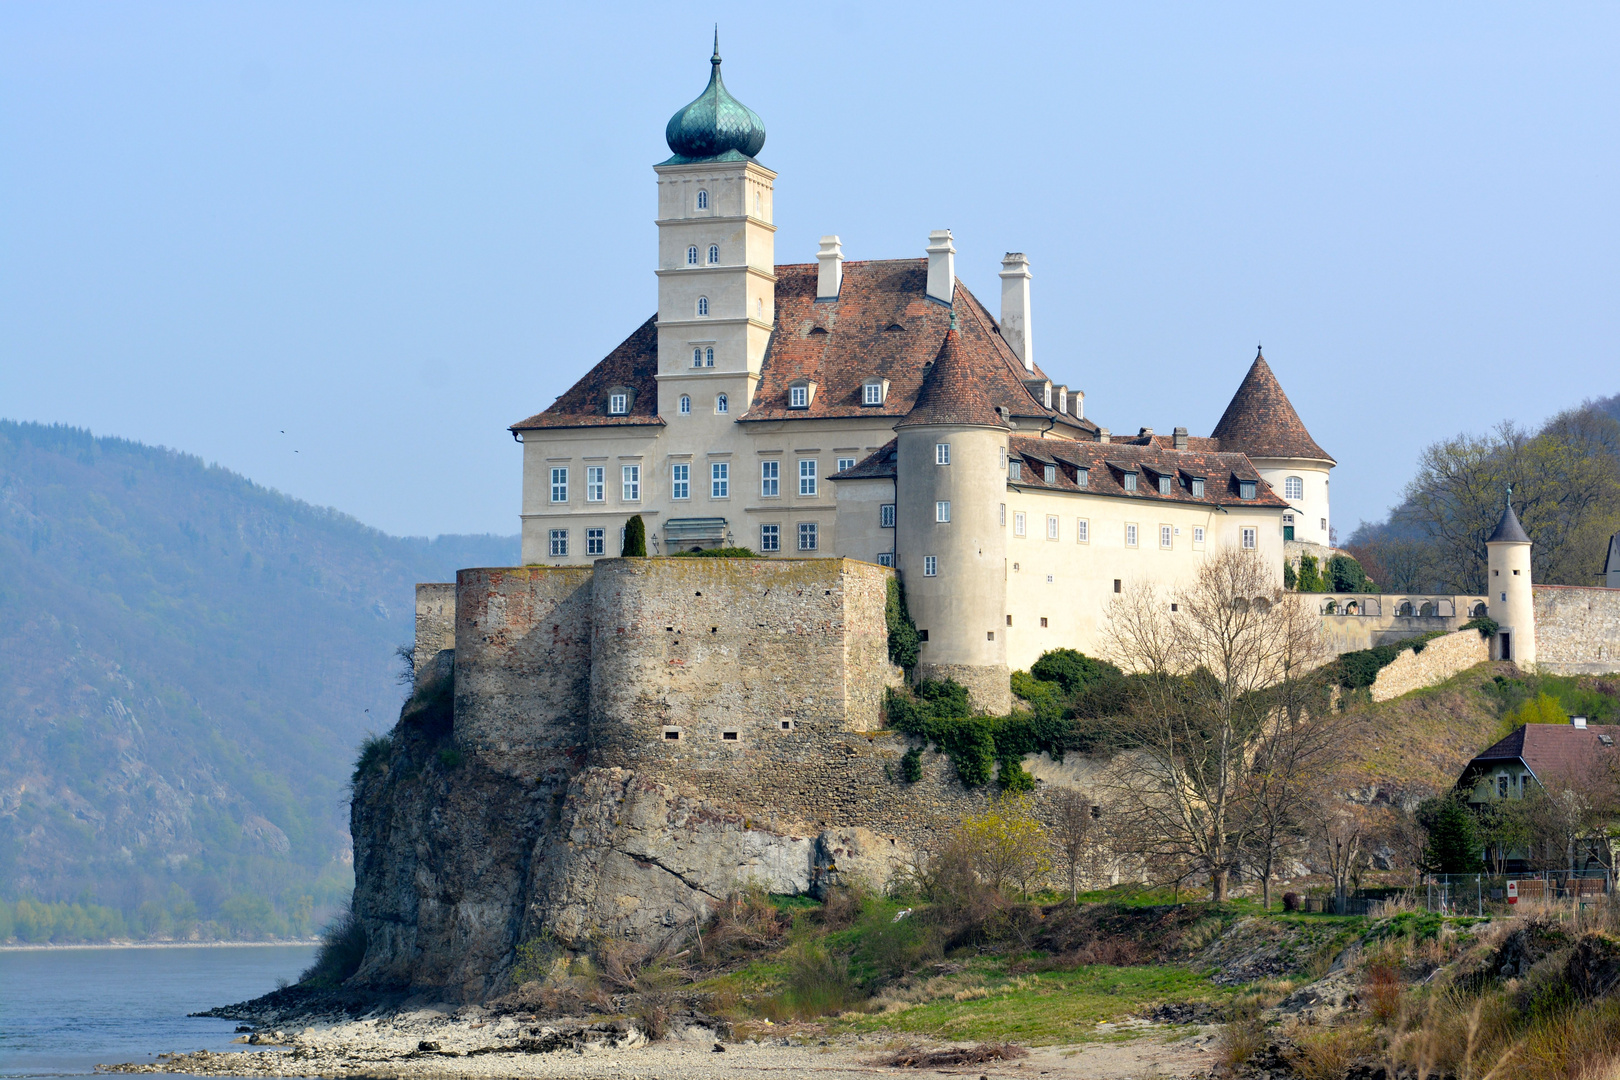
904	642
635	539
716	553
1346	575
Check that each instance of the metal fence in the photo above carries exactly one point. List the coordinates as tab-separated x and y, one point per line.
1483	894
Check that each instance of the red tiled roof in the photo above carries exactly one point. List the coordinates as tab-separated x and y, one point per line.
1548	750
1260	421
954	391
633	365
878	465
1106	461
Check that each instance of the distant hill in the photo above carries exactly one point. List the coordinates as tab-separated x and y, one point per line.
186	664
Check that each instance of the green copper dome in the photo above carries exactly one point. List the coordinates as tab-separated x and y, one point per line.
715	127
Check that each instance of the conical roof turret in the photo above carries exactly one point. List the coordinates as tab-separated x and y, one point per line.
950	393
1508	530
715	126
1261	422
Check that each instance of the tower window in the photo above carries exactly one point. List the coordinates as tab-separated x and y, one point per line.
708	356
703	200
942	511
691	255
1293	488
807	536
770	538
770	479
930	566
942	453
595	483
559	485
686	405
618	404
703	305
559	543
721	403
680	481
720	480
807	476
630	480
714	254
697	357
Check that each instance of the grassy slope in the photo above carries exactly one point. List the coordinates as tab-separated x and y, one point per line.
186	664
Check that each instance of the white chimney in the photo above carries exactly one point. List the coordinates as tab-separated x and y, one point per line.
1015	307
941	265
831	277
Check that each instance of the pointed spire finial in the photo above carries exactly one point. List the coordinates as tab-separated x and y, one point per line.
1259	350
715	59
953	316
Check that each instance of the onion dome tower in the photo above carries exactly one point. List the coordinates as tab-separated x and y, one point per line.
950	489
1261	422
1511	601
714	126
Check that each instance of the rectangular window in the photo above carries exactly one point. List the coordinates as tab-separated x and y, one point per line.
1130	481
1082	478
1082	531
770	479
1166	536
1117	584
1004	513
942	511
631	478
845	463
1051	527
1164	485
1003	456
1324	524
1043	620
1501	787
680	481
930	566
1049	474
1198	487
1015	470
596	541
559	542
1130	536
807	476
798	397
1245	489
1250	536
770	538
595	483
1018	523
872	394
886	516
885	558
942	453
1198	534
807	536
720	480
559	485
618	404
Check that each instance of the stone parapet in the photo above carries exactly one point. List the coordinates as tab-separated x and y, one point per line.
435	622
1440	659
1577	630
989	687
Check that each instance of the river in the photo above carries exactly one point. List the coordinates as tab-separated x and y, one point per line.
64	1011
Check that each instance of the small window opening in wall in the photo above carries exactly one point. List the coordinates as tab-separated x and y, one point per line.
728	736
1175	607
703	305
714	253
714	629
1116	585
703	200
1043	620
922	635
787	725
1009	620
671	734
989	635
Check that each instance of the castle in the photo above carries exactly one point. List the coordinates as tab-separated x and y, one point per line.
876	410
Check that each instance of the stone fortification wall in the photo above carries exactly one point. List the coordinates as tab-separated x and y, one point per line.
1440	660
435	622
1577	630
1378	619
523	666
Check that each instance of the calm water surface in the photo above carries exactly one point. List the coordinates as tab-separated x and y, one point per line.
63	1011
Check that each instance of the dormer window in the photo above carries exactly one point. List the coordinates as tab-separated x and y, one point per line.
1164	485
1063	399
714	254
1198	487
1246	489
1082	478
1129	482
1050	474
872	391
800	394
618	404
1015	470
1046	396
703	306
691	255
703	200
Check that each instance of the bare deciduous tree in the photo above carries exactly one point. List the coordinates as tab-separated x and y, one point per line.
1183	794
1073	815
1338	835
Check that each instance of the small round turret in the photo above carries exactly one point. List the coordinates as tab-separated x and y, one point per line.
1511	602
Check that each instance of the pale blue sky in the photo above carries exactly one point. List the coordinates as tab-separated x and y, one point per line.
394	229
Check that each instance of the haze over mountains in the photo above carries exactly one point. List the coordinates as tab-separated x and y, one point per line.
187	662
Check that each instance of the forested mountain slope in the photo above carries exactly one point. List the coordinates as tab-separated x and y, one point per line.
187	662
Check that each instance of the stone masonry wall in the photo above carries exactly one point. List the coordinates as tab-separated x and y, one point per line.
1440	659
435	622
1577	630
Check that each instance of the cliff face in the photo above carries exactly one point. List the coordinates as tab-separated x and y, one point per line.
610	754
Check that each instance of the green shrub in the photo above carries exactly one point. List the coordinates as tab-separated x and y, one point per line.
946	697
1487	627
939	713
716	553
1346	575
1073	671
1309	578
343	948
818	983
1360	668
450	758
911	765
1453	844
1290	578
373	755
904	642
635	539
